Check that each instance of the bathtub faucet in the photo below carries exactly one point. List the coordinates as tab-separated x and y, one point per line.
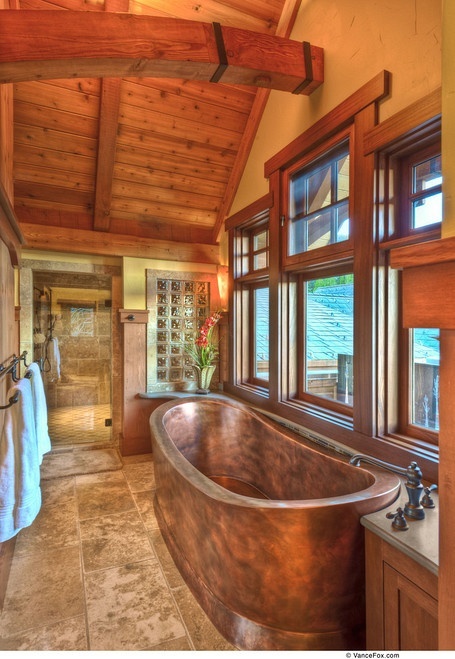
413	508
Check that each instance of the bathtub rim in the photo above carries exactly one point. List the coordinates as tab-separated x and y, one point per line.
383	485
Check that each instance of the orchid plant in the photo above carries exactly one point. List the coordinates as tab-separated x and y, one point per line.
204	350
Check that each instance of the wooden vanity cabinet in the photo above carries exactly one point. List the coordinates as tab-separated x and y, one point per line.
402	599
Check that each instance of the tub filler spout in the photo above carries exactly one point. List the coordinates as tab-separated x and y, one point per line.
413	508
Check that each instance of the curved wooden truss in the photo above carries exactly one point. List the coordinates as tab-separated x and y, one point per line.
40	45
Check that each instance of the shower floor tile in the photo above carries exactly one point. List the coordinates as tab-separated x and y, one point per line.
79	425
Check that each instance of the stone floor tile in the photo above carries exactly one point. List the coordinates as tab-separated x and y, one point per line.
103	494
140	476
55	526
58	491
173	576
43	587
174	645
203	634
114	540
130	608
65	635
144	503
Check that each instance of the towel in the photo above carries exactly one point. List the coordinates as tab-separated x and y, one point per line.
20	493
40	410
53	355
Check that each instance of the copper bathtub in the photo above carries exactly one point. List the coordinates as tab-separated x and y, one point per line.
264	525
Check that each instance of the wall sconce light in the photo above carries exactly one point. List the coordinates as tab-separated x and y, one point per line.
223	286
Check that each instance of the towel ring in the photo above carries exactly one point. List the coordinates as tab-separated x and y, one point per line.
11	402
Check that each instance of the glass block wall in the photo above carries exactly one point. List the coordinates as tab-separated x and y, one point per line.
178	304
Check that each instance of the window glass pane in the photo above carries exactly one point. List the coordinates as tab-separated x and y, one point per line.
260	261
261	333
343	178
427	174
329	338
426	179
427	211
324	228
319	205
425	378
260	240
319	190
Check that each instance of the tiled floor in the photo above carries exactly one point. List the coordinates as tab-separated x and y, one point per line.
93	572
82	424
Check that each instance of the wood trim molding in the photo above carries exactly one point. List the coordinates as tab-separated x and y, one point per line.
413	119
428	281
250	212
428	253
134	316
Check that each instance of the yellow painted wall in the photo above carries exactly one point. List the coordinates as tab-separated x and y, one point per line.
134	277
360	38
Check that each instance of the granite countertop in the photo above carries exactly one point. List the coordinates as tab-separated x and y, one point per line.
420	542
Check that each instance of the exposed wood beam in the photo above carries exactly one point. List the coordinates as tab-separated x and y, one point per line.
78	241
109	112
38	45
107	142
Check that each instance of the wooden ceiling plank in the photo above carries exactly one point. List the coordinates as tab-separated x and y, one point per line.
184	108
45	192
226	96
58	98
129	137
159	230
52	160
109	117
43	138
78	241
249	15
54	217
157	210
57	177
31	114
148	161
37	45
162	123
157	177
154	194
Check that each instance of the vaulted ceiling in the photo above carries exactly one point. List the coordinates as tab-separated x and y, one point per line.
151	158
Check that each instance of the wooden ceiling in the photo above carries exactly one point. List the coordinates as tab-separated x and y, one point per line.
148	158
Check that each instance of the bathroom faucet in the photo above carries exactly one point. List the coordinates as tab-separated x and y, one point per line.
413	508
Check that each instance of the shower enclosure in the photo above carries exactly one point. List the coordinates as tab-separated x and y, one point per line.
72	342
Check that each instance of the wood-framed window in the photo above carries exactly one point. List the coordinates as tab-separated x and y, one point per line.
420	191
413	214
249	249
316	203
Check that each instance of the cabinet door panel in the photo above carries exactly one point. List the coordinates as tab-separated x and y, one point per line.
411	614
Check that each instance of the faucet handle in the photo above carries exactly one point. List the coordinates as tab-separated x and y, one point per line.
399	521
427	501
